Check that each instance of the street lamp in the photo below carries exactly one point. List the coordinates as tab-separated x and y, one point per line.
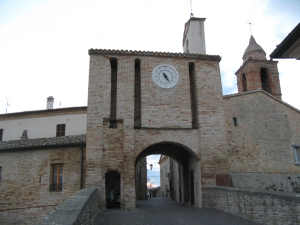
151	166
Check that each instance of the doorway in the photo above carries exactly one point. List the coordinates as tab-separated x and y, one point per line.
112	189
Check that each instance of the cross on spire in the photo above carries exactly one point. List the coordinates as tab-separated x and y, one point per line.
250	24
192	14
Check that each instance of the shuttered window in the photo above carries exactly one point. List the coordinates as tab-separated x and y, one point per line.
60	130
56	177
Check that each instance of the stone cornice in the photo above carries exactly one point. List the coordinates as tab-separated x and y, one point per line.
155	54
66	141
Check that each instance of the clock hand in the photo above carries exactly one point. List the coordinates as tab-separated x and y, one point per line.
166	77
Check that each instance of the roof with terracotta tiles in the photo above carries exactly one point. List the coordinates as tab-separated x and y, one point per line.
72	140
155	54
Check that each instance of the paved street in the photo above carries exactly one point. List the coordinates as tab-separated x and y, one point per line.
164	211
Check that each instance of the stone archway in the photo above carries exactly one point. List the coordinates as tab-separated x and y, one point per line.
189	163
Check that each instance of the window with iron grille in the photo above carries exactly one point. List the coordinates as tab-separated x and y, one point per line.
1	134
60	130
56	177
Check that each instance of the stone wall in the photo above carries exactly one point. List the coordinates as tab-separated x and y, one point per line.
164	164
79	209
25	197
263	207
260	146
165	116
141	179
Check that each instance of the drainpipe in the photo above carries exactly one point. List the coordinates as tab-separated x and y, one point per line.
81	170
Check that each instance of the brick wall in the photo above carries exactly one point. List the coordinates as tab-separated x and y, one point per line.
165	116
252	72
262	207
259	147
24	191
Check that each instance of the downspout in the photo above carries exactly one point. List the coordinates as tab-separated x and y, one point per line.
81	169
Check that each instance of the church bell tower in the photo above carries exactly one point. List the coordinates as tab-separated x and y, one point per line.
257	72
194	37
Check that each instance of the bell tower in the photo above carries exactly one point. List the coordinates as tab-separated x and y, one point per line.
193	37
257	72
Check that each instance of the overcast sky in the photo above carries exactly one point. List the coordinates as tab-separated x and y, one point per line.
44	43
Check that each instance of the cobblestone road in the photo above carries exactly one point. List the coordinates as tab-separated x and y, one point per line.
164	211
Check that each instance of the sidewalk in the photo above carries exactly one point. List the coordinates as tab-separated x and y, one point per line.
164	211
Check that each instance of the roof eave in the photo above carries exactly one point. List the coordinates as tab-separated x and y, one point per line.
286	43
154	54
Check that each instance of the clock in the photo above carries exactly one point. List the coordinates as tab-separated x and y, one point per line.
165	76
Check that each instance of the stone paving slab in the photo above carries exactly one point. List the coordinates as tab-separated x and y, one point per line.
164	211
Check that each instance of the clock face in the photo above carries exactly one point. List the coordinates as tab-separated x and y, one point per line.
165	76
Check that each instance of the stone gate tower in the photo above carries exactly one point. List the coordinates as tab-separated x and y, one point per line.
143	103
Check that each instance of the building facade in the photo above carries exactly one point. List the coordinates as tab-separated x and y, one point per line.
142	103
164	163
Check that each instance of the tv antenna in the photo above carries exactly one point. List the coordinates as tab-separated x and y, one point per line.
7	104
192	14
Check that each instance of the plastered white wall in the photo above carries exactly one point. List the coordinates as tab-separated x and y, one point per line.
196	38
43	127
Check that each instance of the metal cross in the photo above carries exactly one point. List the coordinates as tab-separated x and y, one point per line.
250	24
192	14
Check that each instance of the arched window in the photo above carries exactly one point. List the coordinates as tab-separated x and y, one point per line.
265	82
244	82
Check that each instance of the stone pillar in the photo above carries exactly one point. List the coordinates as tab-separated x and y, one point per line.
125	106
99	87
212	124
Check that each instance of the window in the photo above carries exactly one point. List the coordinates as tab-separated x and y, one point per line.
56	177
297	156
1	134
60	130
244	82
265	83
234	120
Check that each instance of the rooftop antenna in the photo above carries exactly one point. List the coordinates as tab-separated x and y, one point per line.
192	14
250	24
7	104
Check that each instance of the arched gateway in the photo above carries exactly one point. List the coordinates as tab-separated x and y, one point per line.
140	103
190	166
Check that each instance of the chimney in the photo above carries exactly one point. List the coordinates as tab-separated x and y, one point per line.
193	37
50	101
